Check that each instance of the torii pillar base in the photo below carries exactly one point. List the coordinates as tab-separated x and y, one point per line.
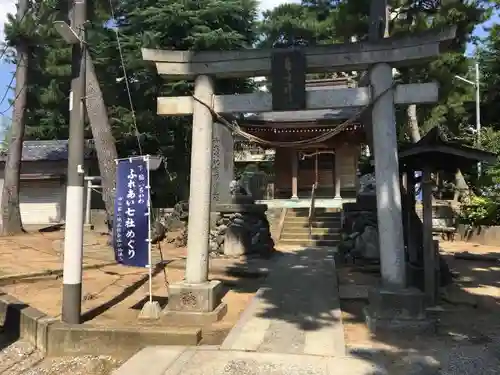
398	310
195	304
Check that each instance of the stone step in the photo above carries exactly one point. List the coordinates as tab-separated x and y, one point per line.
302	242
316	218
305	236
320	225
315	231
330	210
317	214
317	224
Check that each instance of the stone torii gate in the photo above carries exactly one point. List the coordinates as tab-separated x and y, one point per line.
196	296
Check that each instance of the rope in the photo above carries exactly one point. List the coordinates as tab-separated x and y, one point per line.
125	77
235	128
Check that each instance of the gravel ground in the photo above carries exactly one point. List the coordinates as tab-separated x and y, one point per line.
464	357
21	358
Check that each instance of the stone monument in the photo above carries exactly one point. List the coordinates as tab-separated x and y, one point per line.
241	227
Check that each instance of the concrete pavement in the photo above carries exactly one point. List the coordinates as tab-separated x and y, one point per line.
292	326
297	311
170	360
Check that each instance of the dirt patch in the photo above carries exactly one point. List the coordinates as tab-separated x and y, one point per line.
468	325
113	295
38	252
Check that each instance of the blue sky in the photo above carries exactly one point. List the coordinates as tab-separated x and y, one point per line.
8	6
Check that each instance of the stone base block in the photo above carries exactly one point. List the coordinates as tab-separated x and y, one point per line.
394	310
195	318
203	297
195	303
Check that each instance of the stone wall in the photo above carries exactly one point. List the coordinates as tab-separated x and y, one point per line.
241	230
484	235
360	230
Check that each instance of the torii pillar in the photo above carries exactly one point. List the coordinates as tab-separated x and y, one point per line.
196	298
393	305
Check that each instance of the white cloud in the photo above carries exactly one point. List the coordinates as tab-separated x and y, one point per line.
6	7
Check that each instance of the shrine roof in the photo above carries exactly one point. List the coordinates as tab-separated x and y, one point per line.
50	150
320	117
436	151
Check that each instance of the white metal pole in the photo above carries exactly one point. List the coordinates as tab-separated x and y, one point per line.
478	114
150	257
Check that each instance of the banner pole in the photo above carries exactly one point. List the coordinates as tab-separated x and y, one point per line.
150	256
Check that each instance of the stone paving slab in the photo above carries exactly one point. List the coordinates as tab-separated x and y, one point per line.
162	360
292	326
297	311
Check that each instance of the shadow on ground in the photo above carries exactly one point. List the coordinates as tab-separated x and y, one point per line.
11	324
467	338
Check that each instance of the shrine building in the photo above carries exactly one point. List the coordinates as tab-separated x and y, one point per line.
330	163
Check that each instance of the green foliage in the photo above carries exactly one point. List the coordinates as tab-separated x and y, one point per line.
477	211
485	209
168	24
320	22
206	24
489	58
490	179
288	24
48	73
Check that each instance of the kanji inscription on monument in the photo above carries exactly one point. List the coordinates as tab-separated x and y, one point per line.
288	80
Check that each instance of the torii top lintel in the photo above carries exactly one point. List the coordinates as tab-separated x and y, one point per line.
397	51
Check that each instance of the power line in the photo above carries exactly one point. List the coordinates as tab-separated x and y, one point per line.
13	101
9	86
125	77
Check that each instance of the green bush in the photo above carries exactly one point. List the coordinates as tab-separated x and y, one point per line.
477	211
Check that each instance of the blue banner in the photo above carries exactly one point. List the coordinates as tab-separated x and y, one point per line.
131	221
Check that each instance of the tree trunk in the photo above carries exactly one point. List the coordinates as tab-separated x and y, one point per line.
461	187
103	137
412	123
11	213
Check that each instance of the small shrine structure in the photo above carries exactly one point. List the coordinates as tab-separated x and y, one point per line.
433	153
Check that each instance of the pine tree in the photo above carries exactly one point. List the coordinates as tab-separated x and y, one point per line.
489	61
351	18
321	22
11	213
488	56
200	25
49	71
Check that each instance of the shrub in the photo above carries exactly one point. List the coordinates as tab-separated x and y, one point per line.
477	211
